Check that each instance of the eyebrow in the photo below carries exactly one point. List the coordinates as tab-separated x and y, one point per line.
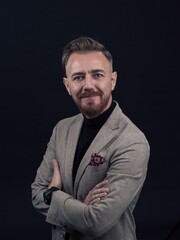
97	71
77	73
92	71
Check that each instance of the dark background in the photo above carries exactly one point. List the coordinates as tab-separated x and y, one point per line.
143	39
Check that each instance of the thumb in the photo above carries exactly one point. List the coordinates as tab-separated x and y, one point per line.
55	165
56	179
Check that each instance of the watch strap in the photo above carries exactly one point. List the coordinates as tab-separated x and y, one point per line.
48	193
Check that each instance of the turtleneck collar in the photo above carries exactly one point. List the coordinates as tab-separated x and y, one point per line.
97	122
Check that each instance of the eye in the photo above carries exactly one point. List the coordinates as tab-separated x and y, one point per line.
98	75
78	78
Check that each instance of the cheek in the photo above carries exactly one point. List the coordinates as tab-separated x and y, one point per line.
75	89
106	88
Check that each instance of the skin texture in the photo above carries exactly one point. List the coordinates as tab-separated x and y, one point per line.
56	179
90	81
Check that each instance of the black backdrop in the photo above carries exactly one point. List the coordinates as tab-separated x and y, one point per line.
142	37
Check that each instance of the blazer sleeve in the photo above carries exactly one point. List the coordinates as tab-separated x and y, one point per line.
126	175
43	177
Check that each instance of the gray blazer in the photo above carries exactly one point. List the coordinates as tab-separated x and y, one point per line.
125	153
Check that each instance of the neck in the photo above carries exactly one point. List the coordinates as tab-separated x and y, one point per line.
98	121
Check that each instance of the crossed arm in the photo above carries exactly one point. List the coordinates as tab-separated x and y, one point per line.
125	175
93	196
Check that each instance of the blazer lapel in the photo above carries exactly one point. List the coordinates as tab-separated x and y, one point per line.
72	139
104	137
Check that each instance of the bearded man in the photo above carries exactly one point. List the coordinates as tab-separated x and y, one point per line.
96	162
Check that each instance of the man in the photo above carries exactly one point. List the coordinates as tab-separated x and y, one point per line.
96	162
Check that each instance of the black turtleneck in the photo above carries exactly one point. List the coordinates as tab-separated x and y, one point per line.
89	130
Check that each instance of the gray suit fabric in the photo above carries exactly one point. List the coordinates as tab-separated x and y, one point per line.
126	152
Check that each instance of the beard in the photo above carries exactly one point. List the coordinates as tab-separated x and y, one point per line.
89	107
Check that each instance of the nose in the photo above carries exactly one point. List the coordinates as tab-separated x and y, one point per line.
88	83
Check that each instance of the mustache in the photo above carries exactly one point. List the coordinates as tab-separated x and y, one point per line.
89	94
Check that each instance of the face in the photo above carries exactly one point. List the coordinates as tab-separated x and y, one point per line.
90	81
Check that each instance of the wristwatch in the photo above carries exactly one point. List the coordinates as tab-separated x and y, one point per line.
48	193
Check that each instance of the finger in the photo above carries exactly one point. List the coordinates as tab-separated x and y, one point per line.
95	201
92	197
99	195
96	198
99	190
101	184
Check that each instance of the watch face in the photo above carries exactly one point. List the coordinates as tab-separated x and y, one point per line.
47	194
46	198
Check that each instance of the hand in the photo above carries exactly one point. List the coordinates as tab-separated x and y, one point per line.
97	193
56	179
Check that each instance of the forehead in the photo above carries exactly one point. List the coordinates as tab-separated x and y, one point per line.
87	61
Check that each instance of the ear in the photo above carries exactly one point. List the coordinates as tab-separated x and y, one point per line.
66	83
113	79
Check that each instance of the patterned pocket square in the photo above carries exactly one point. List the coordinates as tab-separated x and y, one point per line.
96	160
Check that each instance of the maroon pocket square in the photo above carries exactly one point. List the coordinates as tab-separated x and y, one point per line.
96	160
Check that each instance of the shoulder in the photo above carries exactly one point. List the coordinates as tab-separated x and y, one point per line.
66	122
61	129
131	142
126	128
